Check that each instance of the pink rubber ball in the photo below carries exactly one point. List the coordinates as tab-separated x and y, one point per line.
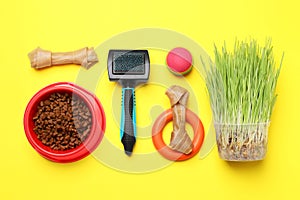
179	61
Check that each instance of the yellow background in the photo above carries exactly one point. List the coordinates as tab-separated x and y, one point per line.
67	25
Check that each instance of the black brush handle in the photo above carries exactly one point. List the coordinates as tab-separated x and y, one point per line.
128	120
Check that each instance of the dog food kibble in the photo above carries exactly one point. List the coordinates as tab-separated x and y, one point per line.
62	121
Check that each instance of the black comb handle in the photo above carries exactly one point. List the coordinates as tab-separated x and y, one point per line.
128	120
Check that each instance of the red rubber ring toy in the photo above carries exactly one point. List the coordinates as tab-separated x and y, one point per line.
165	150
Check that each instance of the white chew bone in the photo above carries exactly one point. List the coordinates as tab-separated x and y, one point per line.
180	140
39	58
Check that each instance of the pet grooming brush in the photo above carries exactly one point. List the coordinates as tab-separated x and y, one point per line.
129	68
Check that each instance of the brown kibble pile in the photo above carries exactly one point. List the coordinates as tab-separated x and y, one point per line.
62	121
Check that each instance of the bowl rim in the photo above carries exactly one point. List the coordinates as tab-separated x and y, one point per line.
86	147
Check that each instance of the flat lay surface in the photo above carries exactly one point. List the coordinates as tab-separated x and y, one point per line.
65	26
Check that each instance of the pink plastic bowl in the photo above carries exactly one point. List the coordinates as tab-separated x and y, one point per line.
85	148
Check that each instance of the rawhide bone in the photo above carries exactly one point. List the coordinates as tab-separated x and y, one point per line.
180	140
39	58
